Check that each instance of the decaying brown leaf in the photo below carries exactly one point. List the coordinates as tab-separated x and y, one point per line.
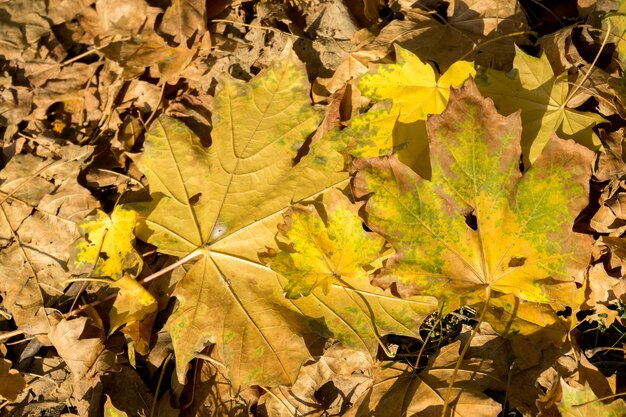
41	204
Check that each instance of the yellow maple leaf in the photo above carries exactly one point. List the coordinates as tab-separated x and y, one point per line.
481	232
542	99
106	248
413	85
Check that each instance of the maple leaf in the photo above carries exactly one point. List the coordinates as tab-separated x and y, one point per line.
413	86
579	402
106	248
133	303
542	99
398	127
226	200
480	230
323	253
328	250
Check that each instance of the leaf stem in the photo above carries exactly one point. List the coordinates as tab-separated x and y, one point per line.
446	401
591	67
147	279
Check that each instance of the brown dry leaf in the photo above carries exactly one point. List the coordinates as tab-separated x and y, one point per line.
611	215
184	19
81	345
473	30
327	386
49	389
611	162
11	381
15	105
124	31
22	23
41	203
397	391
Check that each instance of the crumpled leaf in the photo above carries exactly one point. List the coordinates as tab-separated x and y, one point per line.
81	345
397	391
226	200
542	99
41	203
22	23
106	248
480	230
329	385
582	402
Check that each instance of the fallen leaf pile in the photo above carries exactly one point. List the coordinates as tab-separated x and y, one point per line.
275	208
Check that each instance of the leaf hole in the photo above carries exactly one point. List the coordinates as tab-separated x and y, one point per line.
104	256
566	312
367	229
195	199
471	221
517	261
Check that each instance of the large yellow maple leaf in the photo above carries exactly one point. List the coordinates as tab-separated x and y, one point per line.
481	232
222	203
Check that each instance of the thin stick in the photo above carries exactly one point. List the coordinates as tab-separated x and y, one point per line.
158	387
592	66
8	335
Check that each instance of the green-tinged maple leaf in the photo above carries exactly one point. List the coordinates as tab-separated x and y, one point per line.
583	402
397	391
480	228
227	200
325	252
542	99
106	248
413	86
325	260
133	303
